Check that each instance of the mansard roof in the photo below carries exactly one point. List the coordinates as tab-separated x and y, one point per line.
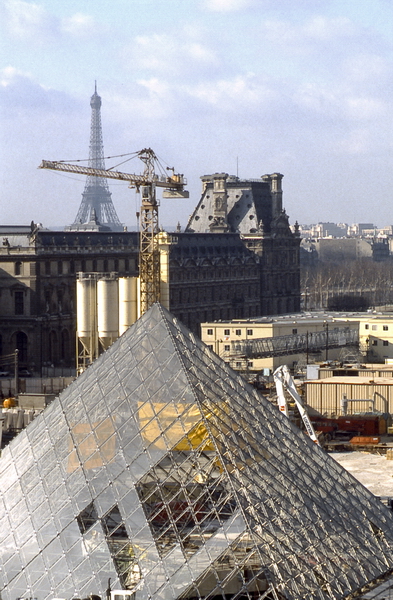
249	206
162	469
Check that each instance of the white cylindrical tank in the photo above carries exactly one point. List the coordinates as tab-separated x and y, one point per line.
128	302
164	243
107	311
20	418
86	308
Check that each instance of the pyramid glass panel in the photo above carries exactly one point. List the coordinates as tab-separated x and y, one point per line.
160	469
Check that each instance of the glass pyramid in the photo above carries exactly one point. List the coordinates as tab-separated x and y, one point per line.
161	469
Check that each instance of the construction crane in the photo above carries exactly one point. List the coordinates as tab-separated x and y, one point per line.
283	380
173	184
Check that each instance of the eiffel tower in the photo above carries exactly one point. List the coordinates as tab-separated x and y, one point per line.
96	210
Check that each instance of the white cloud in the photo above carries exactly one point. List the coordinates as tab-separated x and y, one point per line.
305	35
79	25
200	53
318	99
27	20
356	142
366	67
363	108
30	21
325	28
151	100
171	54
227	5
155	86
341	102
279	31
237	93
9	74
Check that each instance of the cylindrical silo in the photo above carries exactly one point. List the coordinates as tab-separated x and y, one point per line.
164	243
107	311
128	302
86	309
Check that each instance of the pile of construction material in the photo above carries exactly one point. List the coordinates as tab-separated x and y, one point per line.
14	420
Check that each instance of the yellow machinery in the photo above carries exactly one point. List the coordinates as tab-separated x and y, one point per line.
149	257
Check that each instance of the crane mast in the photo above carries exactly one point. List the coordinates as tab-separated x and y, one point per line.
149	255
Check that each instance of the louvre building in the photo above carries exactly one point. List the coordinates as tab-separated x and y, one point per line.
162	470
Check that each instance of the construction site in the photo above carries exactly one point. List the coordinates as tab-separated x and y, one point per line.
161	473
162	470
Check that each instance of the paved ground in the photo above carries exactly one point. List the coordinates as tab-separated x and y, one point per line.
375	472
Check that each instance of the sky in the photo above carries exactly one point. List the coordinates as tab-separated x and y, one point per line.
246	87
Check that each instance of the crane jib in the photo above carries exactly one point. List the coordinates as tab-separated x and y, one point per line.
176	182
149	263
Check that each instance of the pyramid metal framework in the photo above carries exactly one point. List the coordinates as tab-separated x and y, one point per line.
97	202
162	469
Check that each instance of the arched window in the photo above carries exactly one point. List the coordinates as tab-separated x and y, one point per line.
18	268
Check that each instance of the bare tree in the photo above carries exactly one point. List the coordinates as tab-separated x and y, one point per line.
367	283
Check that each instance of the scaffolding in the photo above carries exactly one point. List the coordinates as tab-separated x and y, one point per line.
283	345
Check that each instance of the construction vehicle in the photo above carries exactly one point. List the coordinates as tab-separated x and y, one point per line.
173	184
284	382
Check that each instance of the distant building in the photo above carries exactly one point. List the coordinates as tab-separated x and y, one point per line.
322	230
208	276
376	336
359	229
238	258
244	206
38	271
229	338
381	249
253	210
339	250
342	249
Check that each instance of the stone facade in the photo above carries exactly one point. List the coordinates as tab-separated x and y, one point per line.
253	210
237	268
37	287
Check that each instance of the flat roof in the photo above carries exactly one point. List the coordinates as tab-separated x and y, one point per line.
353	380
305	317
290	318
